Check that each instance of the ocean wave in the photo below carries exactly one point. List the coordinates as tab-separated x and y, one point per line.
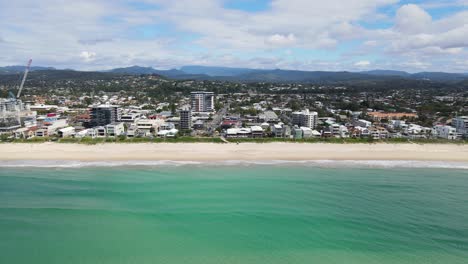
171	163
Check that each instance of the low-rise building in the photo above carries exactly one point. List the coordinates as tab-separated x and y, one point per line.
307	132
238	133
231	124
297	133
446	132
25	132
338	131
199	124
42	132
378	116
66	132
166	126
362	123
268	117
257	131
415	131
100	131
360	132
115	129
146	127
132	131
277	130
377	132
91	132
130	117
168	133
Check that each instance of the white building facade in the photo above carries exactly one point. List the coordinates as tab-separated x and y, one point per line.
202	102
305	118
445	132
461	125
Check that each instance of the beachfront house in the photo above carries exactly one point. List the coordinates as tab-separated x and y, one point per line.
446	132
100	131
66	132
115	129
168	133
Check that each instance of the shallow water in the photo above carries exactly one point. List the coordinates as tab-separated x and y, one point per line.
237	213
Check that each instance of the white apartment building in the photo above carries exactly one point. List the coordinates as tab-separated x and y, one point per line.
461	125
147	126
416	131
202	102
53	126
445	132
115	129
305	118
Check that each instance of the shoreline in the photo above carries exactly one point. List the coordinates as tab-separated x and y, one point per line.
212	152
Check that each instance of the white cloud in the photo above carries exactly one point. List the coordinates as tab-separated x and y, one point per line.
412	19
88	56
362	63
416	31
312	23
281	40
73	34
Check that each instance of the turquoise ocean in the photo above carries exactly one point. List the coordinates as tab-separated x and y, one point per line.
234	212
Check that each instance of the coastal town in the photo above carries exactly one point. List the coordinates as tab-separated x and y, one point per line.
150	107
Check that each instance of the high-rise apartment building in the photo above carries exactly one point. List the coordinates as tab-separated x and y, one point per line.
305	118
461	124
202	102
185	119
102	115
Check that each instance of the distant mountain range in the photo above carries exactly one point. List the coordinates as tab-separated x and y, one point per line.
17	69
217	71
258	75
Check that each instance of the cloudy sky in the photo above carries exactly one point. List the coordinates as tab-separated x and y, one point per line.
418	35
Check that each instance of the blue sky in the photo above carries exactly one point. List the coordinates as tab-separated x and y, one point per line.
418	35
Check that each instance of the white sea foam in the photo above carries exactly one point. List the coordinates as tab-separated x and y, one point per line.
305	163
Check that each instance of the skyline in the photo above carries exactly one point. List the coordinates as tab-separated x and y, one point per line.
296	34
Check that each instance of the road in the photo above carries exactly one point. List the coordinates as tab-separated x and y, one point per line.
217	118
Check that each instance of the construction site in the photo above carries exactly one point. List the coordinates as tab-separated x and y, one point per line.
13	113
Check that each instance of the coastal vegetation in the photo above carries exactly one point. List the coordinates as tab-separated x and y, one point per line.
187	139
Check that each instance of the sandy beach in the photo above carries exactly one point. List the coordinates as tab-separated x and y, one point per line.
244	151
